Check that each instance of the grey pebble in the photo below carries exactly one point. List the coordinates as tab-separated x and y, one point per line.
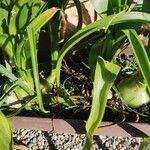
107	144
42	140
23	133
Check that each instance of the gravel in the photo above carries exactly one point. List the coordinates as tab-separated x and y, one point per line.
43	140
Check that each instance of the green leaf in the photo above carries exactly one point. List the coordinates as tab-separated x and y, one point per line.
105	74
95	51
145	145
145	6
32	30
7	45
13	25
125	17
106	47
108	7
42	19
23	16
140	54
5	95
3	20
80	17
13	78
8	3
5	133
100	5
37	8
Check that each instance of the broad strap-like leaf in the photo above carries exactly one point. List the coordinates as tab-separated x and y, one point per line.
5	133
101	6
126	17
15	24
105	75
109	7
7	45
140	54
42	19
32	30
3	20
80	17
145	145
13	78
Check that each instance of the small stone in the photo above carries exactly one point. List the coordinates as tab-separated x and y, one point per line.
18	137
37	140
34	140
107	144
119	146
23	133
40	137
123	147
30	145
34	147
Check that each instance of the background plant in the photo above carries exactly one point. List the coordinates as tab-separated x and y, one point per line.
5	133
21	24
20	32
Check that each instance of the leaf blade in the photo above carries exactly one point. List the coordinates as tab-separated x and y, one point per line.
122	18
5	133
105	74
140	54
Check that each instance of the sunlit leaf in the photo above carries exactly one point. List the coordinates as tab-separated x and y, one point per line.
140	54
32	29
3	20
105	74
13	78
128	17
13	25
101	6
5	133
145	145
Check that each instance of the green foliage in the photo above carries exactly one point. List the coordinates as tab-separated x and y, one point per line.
31	30
109	7
145	145
21	23
105	74
13	78
5	133
19	41
3	20
140	54
124	17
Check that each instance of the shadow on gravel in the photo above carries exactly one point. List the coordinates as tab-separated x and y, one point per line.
99	142
49	140
133	131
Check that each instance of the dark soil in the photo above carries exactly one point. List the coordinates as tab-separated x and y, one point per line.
76	80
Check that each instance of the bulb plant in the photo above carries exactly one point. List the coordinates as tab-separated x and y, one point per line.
19	39
119	21
20	30
21	23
